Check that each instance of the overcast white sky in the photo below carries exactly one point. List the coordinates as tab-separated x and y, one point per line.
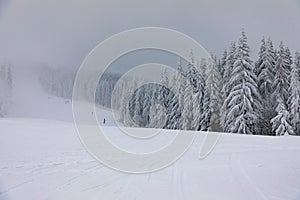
62	32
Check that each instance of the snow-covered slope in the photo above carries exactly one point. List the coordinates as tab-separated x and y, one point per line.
41	159
29	100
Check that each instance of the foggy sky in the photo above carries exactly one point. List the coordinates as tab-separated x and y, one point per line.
62	32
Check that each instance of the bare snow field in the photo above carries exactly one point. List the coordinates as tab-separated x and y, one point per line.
43	159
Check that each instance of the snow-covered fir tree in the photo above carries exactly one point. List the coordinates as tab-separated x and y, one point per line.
264	70
230	59
213	84
186	116
242	101
294	99
223	63
166	96
146	102
195	77
154	119
192	74
206	111
281	82
196	112
176	102
280	122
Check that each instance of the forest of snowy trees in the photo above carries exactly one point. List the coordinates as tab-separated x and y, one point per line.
6	85
233	94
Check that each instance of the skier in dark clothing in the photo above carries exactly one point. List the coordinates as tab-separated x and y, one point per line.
104	120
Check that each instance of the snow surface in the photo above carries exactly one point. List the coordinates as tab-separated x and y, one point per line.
43	159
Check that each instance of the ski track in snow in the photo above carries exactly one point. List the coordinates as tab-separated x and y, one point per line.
250	190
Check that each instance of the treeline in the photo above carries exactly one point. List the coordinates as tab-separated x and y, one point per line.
233	94
6	86
59	82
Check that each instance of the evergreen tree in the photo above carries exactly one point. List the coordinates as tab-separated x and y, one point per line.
206	111
281	83
264	69
223	63
196	112
195	77
154	108
187	106
280	123
294	99
230	59
242	101
146	104
176	101
192	73
213	84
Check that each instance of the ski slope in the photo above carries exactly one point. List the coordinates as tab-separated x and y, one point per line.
44	159
31	101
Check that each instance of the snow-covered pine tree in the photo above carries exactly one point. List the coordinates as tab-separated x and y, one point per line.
223	63
202	67
196	111
289	58
206	111
175	113
195	77
177	98
167	97
186	116
242	101
264	70
281	82
122	103
154	108
192	74
133	104
294	99
159	113
280	123
230	59
213	84
146	103
127	103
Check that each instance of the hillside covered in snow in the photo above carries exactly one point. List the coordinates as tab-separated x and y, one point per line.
44	159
